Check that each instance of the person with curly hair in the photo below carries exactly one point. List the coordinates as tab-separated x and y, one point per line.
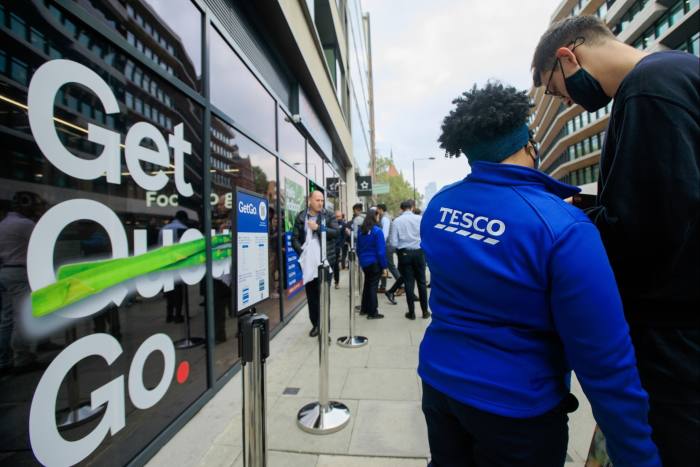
522	294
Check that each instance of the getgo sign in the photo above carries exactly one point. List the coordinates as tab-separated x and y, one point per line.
47	443
49	447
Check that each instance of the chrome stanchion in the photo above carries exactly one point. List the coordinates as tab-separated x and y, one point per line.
351	340
255	348
325	416
358	275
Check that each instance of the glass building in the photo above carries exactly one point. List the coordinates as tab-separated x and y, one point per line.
127	127
570	137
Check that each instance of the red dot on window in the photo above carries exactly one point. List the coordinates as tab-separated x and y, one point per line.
183	372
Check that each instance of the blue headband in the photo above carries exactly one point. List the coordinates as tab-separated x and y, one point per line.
497	149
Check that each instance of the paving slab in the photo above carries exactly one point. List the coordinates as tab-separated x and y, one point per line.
395	384
390	428
283	434
358	461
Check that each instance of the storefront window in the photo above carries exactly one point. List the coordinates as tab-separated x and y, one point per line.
106	201
292	202
292	145
315	166
238	93
239	162
167	32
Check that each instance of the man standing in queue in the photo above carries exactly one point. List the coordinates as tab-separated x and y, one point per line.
648	205
405	238
306	241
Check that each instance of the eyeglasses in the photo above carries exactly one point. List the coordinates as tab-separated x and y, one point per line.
547	91
535	148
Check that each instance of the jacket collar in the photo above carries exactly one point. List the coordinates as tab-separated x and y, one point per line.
511	175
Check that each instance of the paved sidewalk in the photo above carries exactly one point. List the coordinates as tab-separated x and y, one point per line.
378	382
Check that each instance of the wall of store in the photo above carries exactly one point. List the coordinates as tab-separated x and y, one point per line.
126	126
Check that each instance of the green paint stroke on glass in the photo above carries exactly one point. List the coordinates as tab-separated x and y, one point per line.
75	282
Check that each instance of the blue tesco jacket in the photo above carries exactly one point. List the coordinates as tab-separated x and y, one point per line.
371	248
522	292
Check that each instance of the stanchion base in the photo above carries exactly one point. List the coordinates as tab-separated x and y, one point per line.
318	420
354	341
188	343
68	418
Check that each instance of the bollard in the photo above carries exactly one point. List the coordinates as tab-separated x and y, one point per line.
325	416
351	340
255	348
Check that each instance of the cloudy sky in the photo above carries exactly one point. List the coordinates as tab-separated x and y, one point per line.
427	52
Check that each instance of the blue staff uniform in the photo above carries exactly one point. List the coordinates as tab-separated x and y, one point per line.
522	293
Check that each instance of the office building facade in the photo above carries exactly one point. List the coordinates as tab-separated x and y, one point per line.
570	137
128	126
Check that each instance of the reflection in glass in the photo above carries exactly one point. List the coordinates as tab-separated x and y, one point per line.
292	145
293	190
236	161
168	32
238	93
158	302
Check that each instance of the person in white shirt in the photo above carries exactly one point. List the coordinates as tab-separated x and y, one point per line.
405	237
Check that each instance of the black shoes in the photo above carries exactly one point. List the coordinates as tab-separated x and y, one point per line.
426	314
377	316
410	315
313	332
390	296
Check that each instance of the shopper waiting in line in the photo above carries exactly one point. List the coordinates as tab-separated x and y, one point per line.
371	253
405	238
385	222
306	241
522	294
648	205
338	245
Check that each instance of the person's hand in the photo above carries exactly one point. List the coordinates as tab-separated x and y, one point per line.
312	225
347	231
569	200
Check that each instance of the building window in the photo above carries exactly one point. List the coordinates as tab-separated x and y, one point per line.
246	101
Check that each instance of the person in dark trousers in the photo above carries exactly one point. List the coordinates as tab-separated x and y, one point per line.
522	294
385	223
174	299
648	205
338	245
371	253
306	241
405	238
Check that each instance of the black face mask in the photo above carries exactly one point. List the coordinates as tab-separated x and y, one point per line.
586	91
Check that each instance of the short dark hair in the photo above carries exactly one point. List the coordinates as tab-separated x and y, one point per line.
381	206
408	204
562	33
483	114
182	216
357	206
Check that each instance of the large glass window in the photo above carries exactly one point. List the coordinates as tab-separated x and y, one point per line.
292	144
238	162
314	165
236	91
168	32
108	260
293	190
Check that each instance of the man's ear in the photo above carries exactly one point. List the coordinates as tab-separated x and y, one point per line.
566	57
